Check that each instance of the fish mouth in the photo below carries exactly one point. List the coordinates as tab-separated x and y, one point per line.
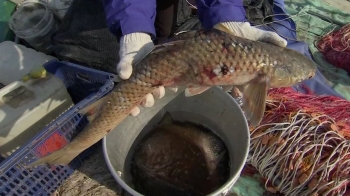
306	77
311	75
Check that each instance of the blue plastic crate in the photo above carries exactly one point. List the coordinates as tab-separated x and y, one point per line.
85	86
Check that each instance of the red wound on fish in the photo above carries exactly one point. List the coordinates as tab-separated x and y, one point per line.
209	73
224	50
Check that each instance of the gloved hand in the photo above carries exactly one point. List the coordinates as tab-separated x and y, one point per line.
133	47
243	29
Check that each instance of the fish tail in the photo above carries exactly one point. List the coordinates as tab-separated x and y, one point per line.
59	157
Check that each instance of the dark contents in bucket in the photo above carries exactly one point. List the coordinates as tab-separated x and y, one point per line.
179	158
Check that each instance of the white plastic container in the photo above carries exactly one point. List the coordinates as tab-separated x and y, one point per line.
27	107
34	22
17	60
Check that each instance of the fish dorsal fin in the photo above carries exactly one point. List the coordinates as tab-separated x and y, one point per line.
223	28
184	35
161	47
167	119
254	99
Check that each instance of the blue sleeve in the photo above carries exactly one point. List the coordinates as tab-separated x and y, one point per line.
211	12
130	16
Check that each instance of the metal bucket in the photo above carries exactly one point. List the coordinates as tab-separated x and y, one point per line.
214	109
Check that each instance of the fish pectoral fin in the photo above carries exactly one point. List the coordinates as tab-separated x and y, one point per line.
223	28
93	110
192	91
254	99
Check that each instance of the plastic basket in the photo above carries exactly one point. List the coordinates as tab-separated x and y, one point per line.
85	87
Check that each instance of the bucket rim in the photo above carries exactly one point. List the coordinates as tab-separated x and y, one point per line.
19	33
222	190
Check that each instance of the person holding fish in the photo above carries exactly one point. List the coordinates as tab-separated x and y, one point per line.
133	22
198	59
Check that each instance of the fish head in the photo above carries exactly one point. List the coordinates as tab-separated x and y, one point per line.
292	72
289	67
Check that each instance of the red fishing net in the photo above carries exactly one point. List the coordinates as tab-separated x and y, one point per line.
335	47
302	145
335	107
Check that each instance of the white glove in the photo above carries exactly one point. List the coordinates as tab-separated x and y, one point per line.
133	47
243	29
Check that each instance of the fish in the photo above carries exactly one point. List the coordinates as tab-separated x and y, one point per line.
198	60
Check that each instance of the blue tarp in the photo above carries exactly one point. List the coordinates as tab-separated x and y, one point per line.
286	28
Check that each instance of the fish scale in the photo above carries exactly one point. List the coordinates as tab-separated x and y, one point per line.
197	59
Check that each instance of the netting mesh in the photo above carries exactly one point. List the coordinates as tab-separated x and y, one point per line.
302	147
84	38
335	47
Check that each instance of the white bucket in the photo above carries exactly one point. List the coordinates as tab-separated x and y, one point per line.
58	7
34	22
214	109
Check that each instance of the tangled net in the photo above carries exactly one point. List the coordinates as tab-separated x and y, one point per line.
335	47
302	147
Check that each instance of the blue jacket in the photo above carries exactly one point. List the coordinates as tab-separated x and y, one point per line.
129	16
